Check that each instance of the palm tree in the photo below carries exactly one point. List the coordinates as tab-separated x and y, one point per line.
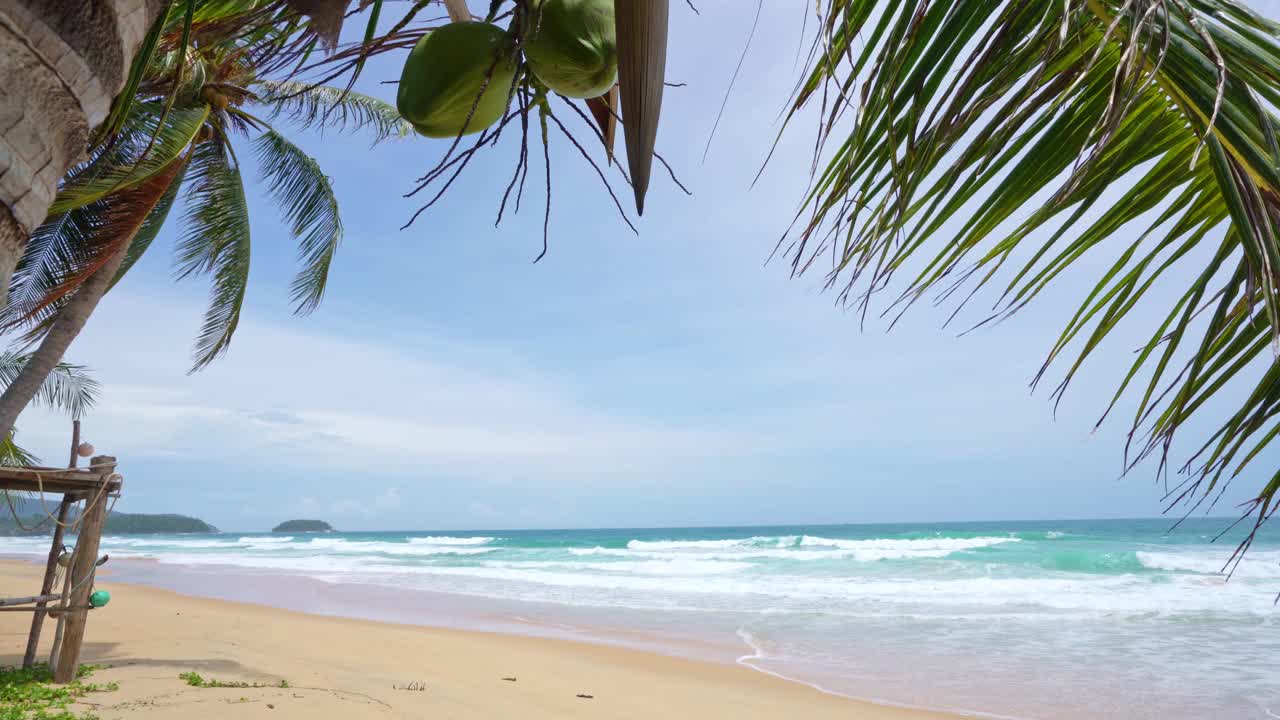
1000	142
60	66
202	67
69	389
194	96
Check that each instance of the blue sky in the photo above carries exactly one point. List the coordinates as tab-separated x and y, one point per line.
667	379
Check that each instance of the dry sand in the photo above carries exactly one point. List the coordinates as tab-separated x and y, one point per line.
341	669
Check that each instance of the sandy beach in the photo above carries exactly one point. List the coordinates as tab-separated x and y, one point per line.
349	669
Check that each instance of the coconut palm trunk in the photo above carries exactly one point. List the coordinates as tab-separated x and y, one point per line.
122	225
61	63
45	358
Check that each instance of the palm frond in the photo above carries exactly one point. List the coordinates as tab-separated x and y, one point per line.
13	455
151	227
123	166
57	248
970	141
324	107
306	199
65	251
216	243
68	388
72	246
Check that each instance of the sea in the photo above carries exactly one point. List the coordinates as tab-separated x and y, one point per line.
1050	620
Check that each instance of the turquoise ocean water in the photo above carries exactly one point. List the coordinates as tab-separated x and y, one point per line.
1031	620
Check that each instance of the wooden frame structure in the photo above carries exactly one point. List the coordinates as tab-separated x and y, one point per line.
96	486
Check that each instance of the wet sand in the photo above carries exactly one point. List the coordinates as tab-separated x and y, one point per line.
340	668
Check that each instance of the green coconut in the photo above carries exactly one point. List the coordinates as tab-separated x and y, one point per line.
446	72
571	46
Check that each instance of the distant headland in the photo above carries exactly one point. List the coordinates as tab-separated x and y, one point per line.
35	522
303	526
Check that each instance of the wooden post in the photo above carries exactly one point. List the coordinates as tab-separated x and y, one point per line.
46	587
75	444
55	549
61	618
82	567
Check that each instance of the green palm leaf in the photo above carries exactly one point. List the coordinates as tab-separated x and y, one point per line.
123	166
150	227
306	198
63	243
975	142
69	388
326	107
66	245
216	243
13	455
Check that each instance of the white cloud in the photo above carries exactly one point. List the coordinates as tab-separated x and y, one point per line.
289	398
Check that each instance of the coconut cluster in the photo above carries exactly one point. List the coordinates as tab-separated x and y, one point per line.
457	79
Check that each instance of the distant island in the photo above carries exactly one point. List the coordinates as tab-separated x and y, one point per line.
138	523
303	526
118	523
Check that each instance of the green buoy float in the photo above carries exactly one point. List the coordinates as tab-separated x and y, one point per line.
99	598
571	45
445	73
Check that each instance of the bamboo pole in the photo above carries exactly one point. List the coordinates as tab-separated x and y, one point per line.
50	570
51	567
61	619
44	597
82	567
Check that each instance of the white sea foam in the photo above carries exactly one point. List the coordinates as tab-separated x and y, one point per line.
1052	605
710	544
447	540
808	547
670	567
908	547
366	547
17	545
783	573
1256	564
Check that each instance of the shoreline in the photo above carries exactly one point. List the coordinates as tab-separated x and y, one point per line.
243	641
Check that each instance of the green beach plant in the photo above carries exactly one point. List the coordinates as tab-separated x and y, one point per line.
29	694
195	679
972	144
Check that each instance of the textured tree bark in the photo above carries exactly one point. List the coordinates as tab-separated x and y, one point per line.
53	346
61	63
122	226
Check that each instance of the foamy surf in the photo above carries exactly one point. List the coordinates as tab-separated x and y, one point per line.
1078	611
